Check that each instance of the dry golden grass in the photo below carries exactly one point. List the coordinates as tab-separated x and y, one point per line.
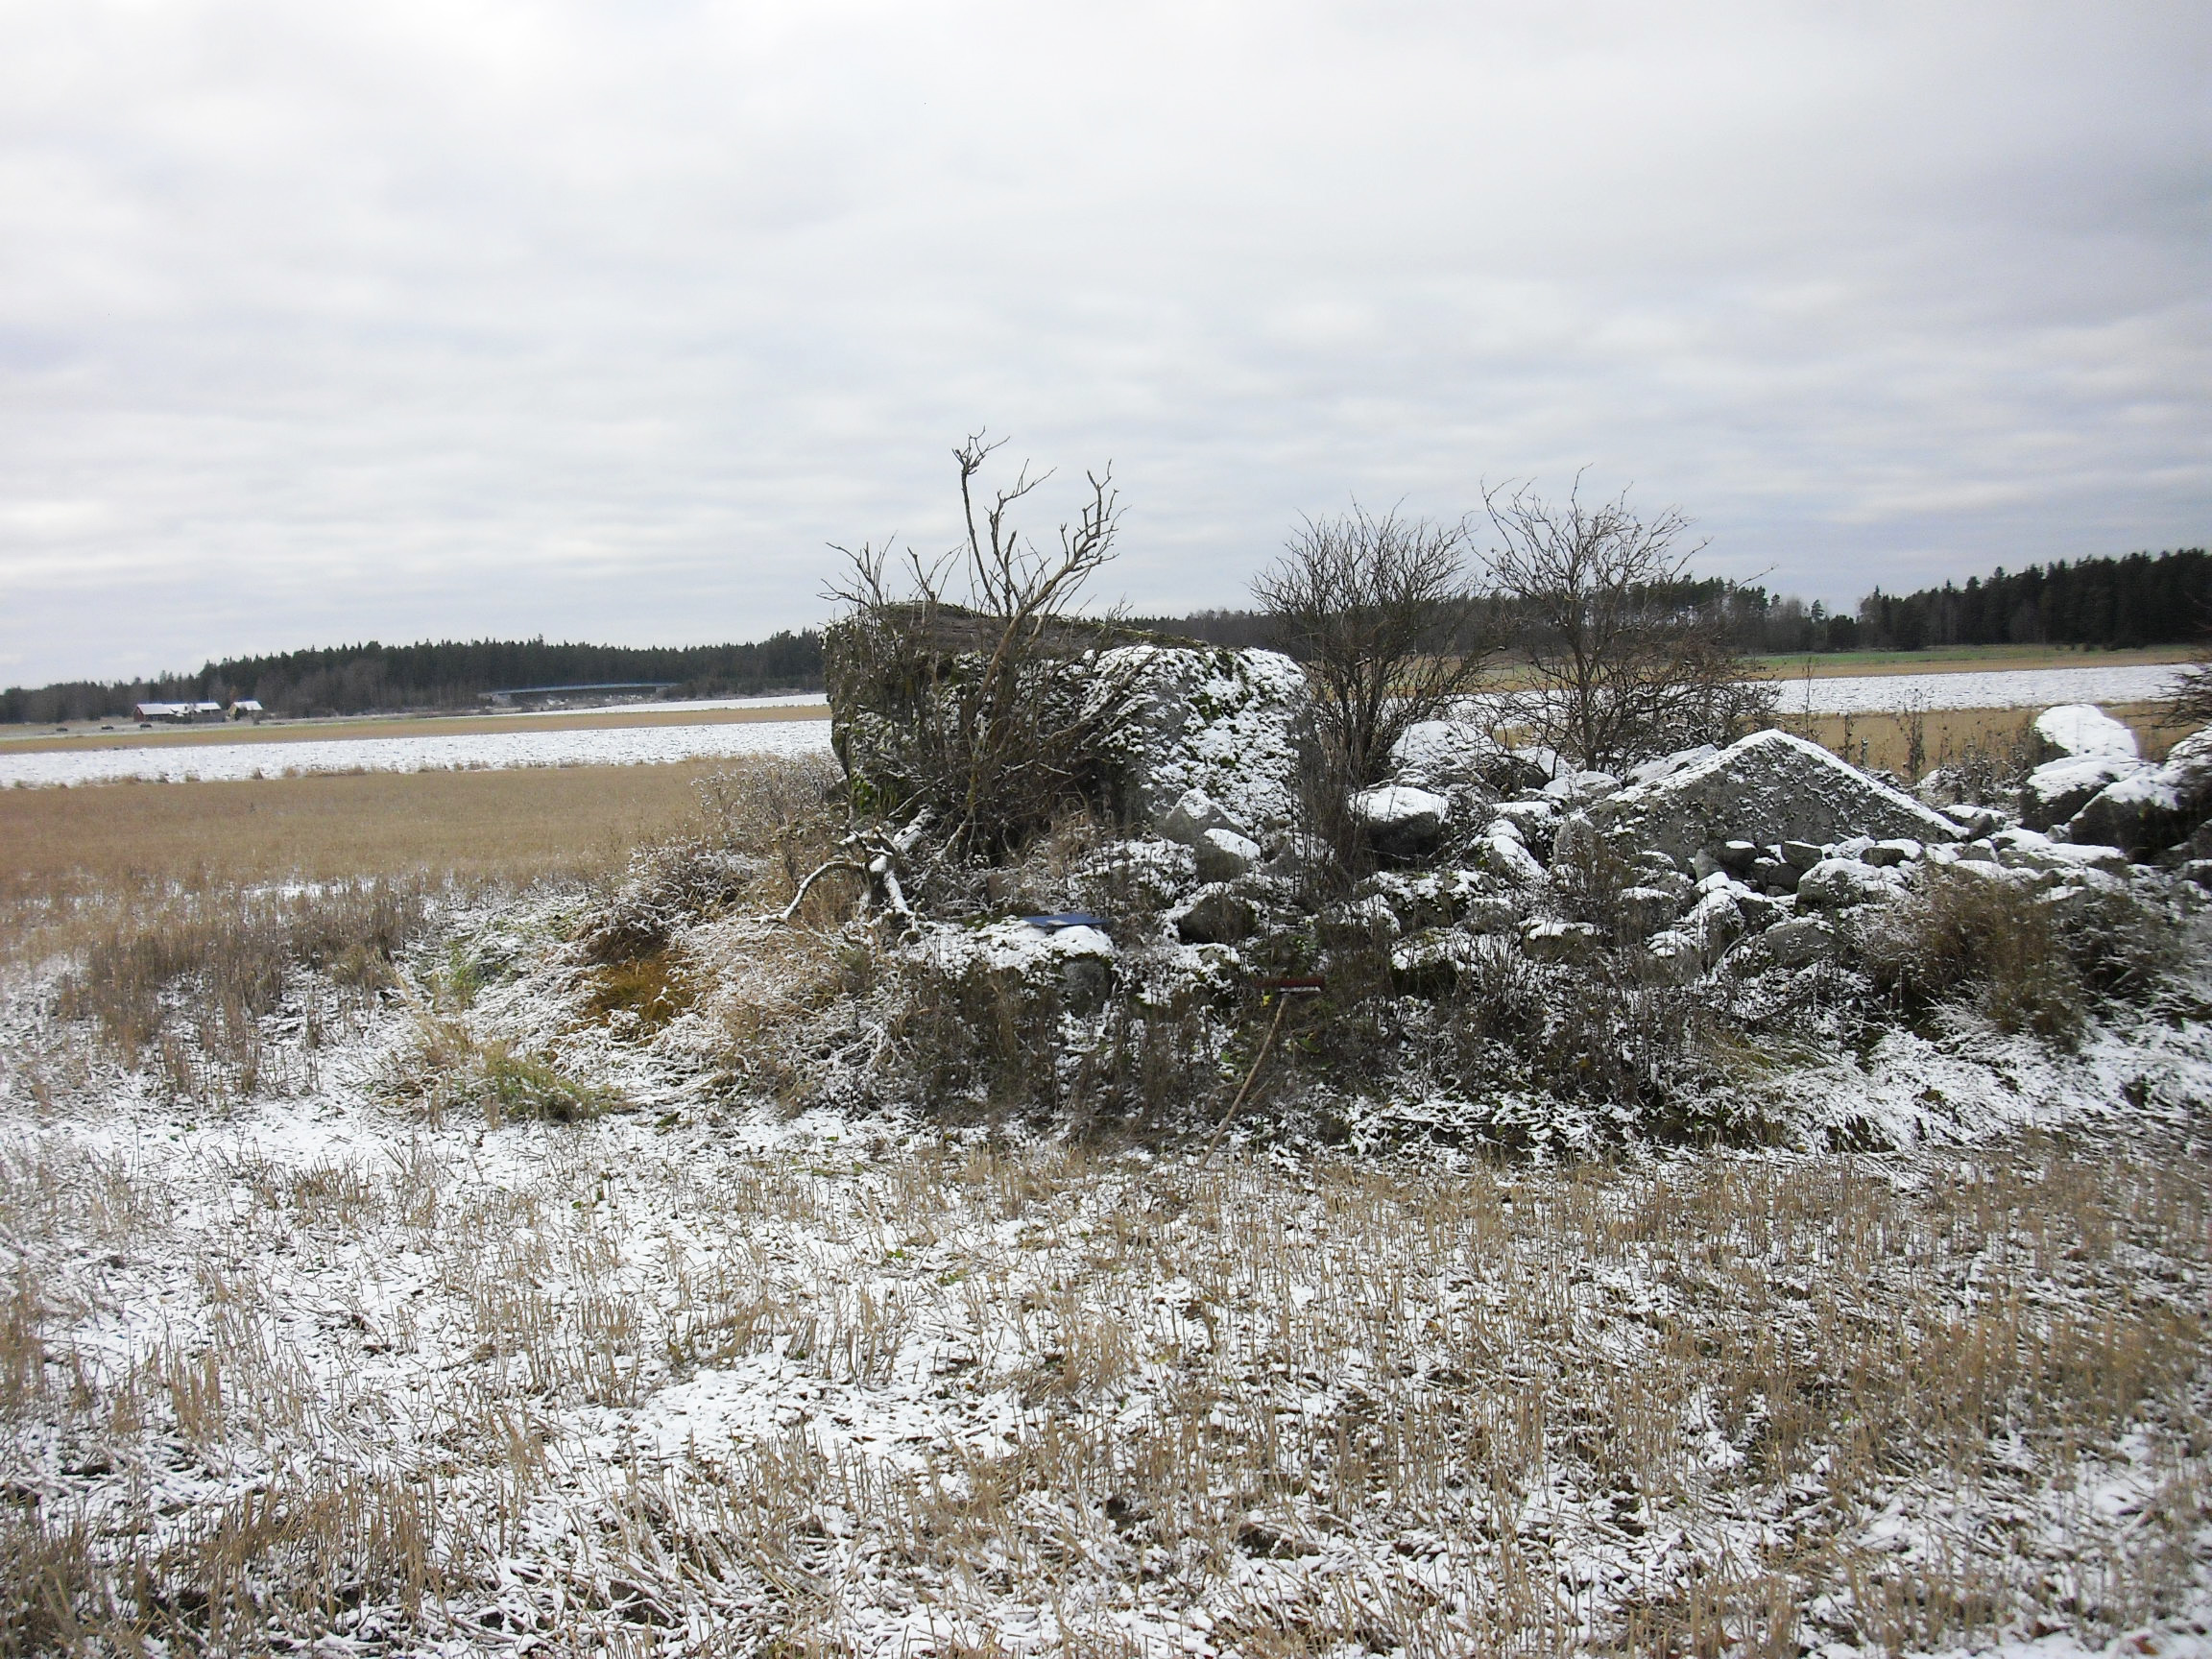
518	825
1910	744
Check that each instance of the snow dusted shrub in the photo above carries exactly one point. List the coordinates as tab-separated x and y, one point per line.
444	1067
670	887
776	806
765	825
1980	939
2121	947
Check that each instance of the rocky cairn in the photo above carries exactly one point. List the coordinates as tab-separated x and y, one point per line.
1766	854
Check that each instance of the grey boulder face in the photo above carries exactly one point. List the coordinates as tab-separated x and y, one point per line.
1235	725
1402	821
2080	730
1667	765
1215	915
1217	840
1844	883
2155	808
1768	788
1800	942
2057	789
1437	754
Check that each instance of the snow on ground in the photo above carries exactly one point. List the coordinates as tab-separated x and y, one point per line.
699	1376
484	751
1997	689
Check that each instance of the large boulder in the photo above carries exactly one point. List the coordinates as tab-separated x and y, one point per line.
2079	731
2057	789
1236	725
1014	959
1401	821
1767	788
2155	808
1440	754
1218	845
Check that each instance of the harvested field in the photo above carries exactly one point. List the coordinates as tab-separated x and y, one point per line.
514	827
362	728
662	1384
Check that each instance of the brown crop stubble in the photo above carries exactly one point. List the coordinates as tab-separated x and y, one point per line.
1430	1394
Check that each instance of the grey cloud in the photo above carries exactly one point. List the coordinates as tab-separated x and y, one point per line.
601	321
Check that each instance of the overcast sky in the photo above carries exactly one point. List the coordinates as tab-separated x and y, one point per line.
447	318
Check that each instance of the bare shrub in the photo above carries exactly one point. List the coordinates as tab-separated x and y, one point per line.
1619	664
1379	612
2191	702
986	713
668	887
778	808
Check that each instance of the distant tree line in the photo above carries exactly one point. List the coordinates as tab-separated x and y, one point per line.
2109	604
2141	599
447	674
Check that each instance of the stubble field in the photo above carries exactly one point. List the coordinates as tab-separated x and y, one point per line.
336	1357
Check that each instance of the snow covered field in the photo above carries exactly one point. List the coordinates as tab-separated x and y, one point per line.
489	751
2006	688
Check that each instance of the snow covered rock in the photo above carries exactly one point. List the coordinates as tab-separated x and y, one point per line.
2022	849
1574	788
2057	789
1430	961
1801	855
1401	820
1647	910
1715	923
1437	754
1497	914
1903	849
1555	941
2155	808
1531	821
1667	765
1077	963
2076	732
1767	788
1235	725
1506	857
1800	941
1673	956
1355	922
1223	855
1215	915
1842	884
1193	814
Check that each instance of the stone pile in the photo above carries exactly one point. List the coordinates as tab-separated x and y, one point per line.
1770	853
